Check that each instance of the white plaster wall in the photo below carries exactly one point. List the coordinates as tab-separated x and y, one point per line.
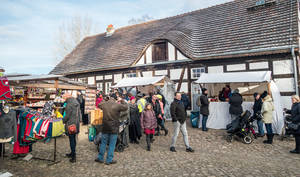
285	84
180	56
175	74
91	80
99	78
286	102
117	78
283	67
183	88
259	65
149	55
236	67
141	61
215	69
171	52
108	77
147	73
161	72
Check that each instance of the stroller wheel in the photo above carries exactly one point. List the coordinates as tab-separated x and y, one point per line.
247	140
120	148
229	138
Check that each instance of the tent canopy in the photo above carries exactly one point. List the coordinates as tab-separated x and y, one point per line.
235	77
140	81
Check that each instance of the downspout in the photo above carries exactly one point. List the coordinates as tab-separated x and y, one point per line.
295	70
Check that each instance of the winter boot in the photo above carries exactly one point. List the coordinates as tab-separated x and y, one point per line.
166	132
269	139
73	159
297	149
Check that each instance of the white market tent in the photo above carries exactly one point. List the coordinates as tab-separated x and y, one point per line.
140	81
257	79
236	77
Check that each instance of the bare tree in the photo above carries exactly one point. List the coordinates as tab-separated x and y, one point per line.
144	18
70	34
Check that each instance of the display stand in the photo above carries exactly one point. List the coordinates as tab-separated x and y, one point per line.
54	161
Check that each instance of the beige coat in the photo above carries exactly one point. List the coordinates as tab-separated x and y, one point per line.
267	110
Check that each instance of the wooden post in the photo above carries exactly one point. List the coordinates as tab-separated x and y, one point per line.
181	78
56	83
189	81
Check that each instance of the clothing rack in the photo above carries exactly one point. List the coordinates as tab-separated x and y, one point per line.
52	161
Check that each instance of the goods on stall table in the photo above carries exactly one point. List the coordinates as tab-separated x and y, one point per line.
96	117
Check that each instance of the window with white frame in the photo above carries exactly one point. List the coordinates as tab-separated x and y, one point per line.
131	75
196	72
100	86
83	80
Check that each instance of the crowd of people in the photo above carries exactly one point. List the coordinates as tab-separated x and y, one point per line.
262	112
145	114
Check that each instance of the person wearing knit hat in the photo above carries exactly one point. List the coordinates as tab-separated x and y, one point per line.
235	102
135	132
203	103
257	114
267	114
161	120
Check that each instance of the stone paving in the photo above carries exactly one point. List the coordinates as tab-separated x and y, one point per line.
213	157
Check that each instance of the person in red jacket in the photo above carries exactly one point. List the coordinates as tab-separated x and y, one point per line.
148	124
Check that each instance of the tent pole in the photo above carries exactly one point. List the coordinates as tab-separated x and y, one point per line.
269	89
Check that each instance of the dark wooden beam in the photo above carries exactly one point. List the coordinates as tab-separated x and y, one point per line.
181	78
189	76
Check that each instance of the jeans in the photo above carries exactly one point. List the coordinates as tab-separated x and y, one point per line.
260	126
204	120
112	139
182	128
160	123
269	129
72	139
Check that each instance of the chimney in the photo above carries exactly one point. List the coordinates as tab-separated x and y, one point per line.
110	30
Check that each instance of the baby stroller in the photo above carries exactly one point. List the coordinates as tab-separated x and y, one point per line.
242	127
122	141
286	132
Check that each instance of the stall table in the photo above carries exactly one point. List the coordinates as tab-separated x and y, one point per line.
219	116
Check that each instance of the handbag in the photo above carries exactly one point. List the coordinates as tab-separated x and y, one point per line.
72	129
258	116
293	126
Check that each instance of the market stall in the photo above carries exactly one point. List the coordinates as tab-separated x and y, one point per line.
248	83
32	92
148	85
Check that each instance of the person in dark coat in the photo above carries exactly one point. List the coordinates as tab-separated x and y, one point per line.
72	117
295	117
81	101
135	124
221	95
185	100
203	103
158	113
179	116
256	114
235	102
110	128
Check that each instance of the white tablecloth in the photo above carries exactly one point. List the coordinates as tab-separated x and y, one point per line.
219	115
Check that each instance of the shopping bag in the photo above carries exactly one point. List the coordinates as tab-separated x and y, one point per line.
92	133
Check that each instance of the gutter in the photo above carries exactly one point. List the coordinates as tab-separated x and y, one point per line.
295	70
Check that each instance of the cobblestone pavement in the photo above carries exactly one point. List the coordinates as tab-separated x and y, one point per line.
213	157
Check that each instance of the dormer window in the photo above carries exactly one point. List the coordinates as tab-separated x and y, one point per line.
160	52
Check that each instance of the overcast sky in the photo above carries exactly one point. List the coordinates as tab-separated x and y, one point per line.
28	27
